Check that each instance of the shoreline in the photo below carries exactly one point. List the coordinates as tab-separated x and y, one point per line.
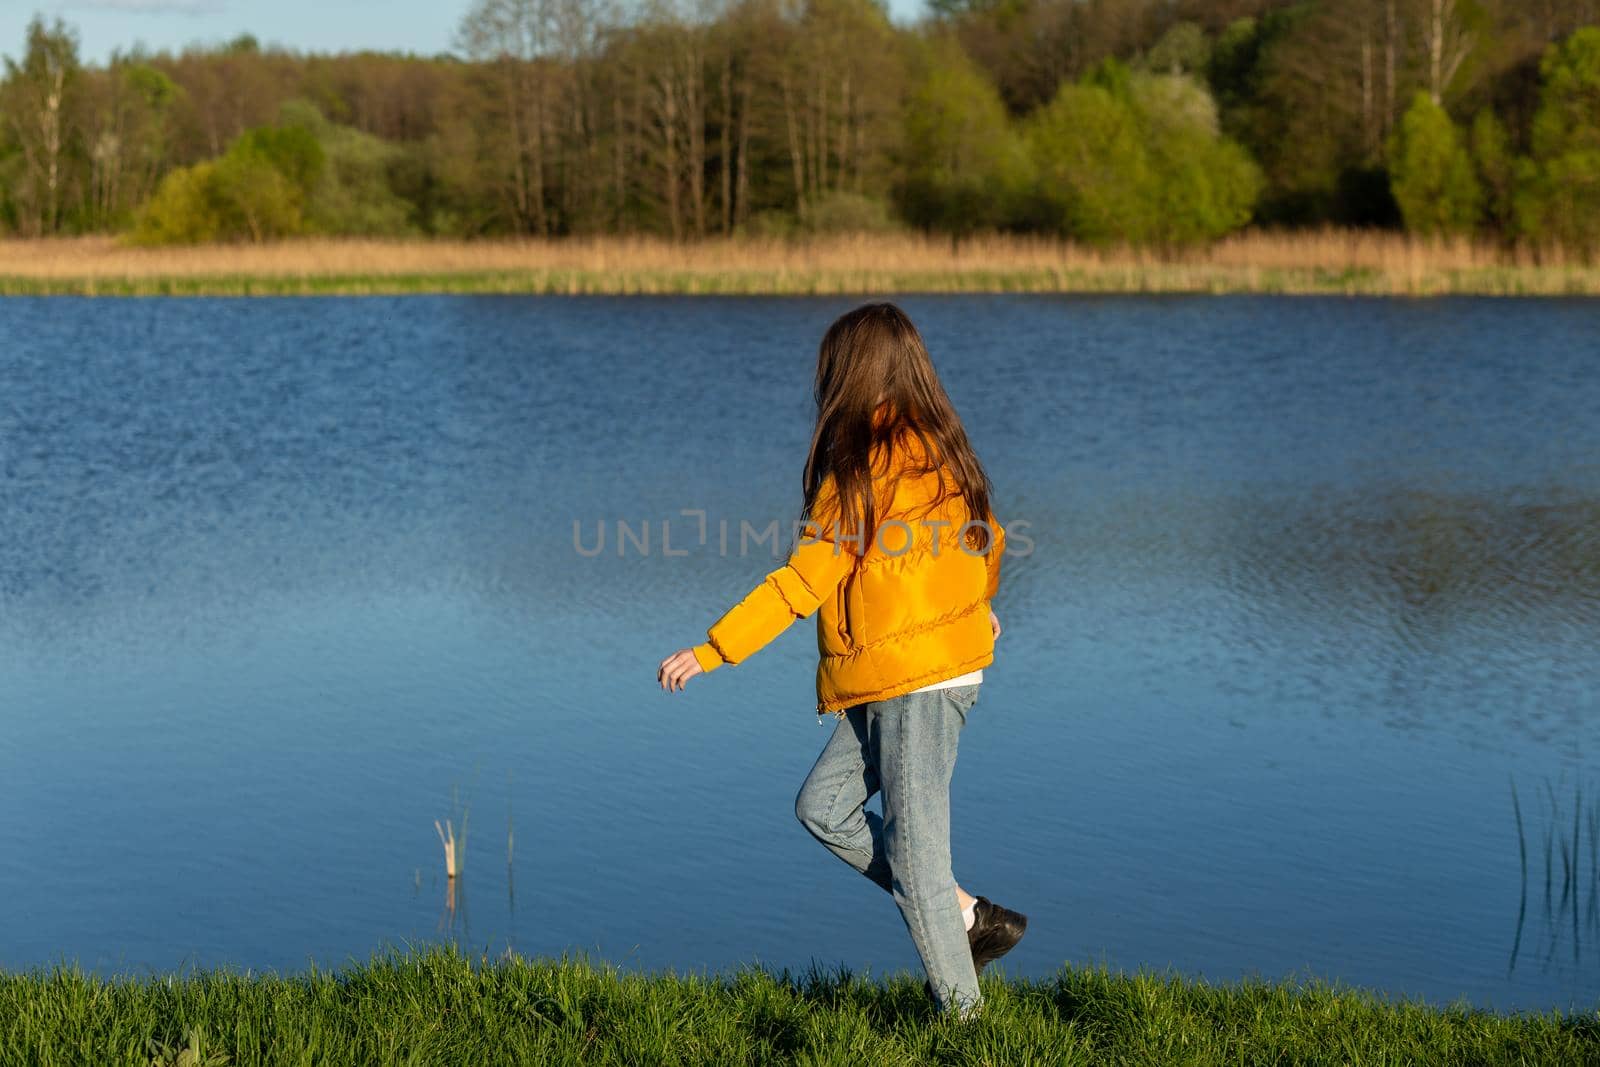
1333	262
443	1006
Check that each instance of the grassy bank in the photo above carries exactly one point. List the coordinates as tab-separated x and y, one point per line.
1334	261
438	1007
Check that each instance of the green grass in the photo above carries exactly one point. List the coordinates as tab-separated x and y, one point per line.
1112	278
437	1006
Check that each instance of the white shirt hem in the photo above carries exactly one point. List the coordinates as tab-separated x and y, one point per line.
970	678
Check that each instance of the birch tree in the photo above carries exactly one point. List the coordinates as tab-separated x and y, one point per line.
39	106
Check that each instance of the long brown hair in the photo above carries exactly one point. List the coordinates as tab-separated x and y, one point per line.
872	358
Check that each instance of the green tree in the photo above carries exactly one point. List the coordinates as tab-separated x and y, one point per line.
1094	176
38	104
965	166
1206	185
1496	164
265	179
1558	194
352	193
1232	66
256	199
1183	49
291	149
1138	157
183	209
1431	173
257	190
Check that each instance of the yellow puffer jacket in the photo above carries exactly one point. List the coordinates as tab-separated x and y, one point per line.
911	610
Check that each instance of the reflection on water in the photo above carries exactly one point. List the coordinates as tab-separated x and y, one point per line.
450	876
1310	578
1571	890
1474	587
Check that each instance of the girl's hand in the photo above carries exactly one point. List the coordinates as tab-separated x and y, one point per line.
676	670
994	622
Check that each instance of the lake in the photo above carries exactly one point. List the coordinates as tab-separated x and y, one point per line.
1298	674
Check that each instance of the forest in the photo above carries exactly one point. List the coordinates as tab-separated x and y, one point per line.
1152	122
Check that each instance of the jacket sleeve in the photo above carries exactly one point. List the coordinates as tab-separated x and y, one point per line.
816	566
996	550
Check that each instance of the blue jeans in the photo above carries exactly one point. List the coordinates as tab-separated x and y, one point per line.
906	747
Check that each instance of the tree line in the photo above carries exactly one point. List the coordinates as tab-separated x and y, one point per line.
1152	121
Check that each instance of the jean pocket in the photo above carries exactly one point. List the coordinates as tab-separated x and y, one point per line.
964	696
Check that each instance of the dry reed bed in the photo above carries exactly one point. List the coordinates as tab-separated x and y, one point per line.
1339	261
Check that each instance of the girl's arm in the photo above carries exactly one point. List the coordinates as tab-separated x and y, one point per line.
794	591
813	571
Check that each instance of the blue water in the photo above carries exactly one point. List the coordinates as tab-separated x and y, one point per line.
1309	587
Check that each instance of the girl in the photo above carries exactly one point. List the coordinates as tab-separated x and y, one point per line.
902	555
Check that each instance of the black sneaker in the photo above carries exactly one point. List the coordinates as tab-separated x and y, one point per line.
995	931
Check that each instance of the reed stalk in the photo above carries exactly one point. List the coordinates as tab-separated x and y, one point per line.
454	851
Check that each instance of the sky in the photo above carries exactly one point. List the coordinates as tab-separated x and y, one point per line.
422	26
